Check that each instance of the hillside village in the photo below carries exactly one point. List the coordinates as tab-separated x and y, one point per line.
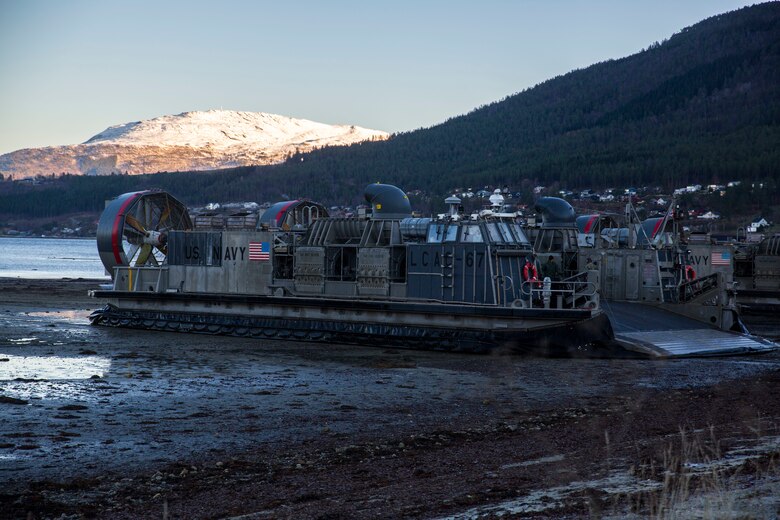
653	199
702	208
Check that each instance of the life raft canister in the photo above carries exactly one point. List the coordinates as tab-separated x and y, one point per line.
690	273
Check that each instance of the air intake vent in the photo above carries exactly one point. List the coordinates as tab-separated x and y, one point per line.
388	202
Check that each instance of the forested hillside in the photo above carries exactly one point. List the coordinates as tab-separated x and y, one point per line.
700	107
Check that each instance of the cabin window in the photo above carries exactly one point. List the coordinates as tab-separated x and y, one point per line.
435	233
520	234
452	234
471	233
494	233
503	227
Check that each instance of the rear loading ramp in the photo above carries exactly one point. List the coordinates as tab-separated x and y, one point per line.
662	334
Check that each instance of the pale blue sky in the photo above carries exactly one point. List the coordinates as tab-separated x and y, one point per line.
69	69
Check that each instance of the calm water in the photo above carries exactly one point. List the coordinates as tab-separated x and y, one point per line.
49	258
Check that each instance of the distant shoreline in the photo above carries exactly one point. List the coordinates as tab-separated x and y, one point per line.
48	237
61	279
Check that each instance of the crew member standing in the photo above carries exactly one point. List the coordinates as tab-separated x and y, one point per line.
551	269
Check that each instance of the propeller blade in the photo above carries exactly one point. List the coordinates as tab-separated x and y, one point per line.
146	250
135	224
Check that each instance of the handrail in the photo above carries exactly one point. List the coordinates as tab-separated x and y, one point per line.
579	277
689	290
568	293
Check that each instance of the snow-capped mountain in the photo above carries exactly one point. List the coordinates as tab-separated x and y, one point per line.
188	141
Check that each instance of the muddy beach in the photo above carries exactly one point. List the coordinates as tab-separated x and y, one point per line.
112	423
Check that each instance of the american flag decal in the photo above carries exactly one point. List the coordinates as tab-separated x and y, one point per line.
259	251
721	258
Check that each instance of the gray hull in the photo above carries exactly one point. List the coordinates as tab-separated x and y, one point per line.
429	326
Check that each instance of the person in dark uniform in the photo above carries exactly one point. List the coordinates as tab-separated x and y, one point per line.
551	269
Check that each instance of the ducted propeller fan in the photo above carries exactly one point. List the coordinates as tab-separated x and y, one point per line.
133	229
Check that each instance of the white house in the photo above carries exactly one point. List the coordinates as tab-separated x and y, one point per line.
757	224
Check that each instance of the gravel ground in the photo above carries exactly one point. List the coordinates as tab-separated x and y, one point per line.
111	423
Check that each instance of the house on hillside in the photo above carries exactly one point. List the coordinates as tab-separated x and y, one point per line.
757	224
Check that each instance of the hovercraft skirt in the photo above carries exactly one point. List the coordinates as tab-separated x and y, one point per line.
571	337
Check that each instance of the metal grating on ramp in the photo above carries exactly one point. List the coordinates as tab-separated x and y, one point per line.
693	342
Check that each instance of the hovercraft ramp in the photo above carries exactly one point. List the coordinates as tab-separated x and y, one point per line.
662	334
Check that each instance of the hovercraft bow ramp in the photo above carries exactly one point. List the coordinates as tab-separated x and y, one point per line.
659	333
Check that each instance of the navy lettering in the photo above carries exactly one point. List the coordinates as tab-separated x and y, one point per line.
697	259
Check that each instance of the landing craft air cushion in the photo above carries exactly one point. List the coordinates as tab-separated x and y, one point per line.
455	282
386	278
